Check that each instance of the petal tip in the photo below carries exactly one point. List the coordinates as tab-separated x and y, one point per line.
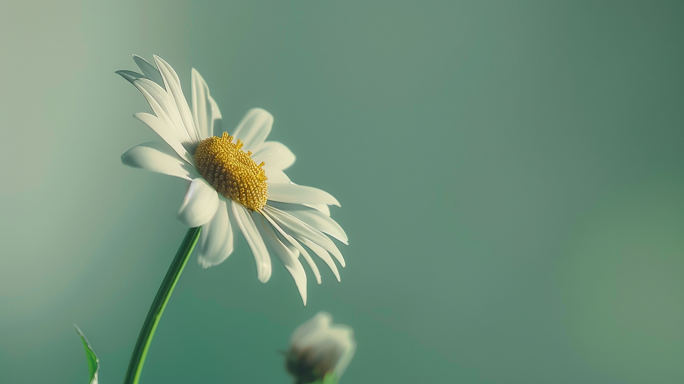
264	279
158	59
127	75
301	288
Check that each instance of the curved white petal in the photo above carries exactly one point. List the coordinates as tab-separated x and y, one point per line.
299	194
300	230
215	243
275	176
346	358
336	344
295	226
203	106
199	204
324	255
313	266
150	71
164	108
216	129
254	128
276	155
322	208
314	218
173	88
158	157
294	243
287	256
166	133
159	101
130	75
256	243
319	323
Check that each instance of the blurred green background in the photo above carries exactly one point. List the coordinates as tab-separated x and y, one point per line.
511	177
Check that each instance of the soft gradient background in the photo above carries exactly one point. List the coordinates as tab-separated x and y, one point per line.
511	177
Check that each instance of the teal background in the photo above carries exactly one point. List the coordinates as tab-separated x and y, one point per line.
511	177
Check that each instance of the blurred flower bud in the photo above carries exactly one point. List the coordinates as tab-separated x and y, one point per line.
319	350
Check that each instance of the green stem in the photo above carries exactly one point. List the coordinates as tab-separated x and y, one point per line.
158	305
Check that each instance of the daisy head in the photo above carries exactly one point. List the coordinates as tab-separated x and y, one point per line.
319	349
237	182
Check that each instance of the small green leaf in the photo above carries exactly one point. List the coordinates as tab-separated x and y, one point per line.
93	361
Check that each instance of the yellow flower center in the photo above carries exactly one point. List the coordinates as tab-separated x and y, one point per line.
231	171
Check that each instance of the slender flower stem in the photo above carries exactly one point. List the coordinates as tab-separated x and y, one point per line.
158	305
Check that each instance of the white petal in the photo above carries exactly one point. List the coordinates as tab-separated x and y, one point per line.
165	97
299	230
199	204
324	255
313	266
216	239
323	345
158	157
157	98
294	243
130	75
150	71
294	225
166	133
322	208
287	257
333	344
347	356
314	218
202	107
299	194
216	129
173	88
256	243
276	155
164	108
275	176
254	128
319	323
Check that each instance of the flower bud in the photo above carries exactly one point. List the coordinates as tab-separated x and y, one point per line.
319	349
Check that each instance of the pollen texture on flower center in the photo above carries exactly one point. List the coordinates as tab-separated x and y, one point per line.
231	171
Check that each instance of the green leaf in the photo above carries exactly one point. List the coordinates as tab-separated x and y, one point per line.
93	361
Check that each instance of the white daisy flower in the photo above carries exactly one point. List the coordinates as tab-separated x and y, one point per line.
319	349
236	181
